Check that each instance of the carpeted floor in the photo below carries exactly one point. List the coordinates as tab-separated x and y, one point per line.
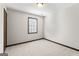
40	48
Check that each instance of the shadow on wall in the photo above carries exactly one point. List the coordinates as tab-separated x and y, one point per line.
67	27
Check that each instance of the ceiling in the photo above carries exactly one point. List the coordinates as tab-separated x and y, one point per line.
32	7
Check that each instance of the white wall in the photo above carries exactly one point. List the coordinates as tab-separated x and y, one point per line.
18	27
66	25
1	28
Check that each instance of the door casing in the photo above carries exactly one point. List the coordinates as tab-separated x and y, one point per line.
5	29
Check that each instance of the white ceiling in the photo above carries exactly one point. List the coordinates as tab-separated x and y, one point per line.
32	7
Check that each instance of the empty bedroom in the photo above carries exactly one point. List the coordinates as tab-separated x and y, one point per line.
39	29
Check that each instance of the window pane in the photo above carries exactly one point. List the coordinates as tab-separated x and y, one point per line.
32	25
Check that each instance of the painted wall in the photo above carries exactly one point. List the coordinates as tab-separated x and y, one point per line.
18	27
64	28
1	28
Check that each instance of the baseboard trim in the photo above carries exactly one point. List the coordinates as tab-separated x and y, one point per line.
3	54
62	45
44	39
24	42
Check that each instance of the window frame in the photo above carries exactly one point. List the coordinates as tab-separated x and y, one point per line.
36	25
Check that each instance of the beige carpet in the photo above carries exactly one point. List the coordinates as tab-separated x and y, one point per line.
40	48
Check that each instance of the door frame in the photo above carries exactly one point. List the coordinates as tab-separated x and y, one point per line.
5	29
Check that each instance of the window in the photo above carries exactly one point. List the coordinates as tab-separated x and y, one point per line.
32	25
